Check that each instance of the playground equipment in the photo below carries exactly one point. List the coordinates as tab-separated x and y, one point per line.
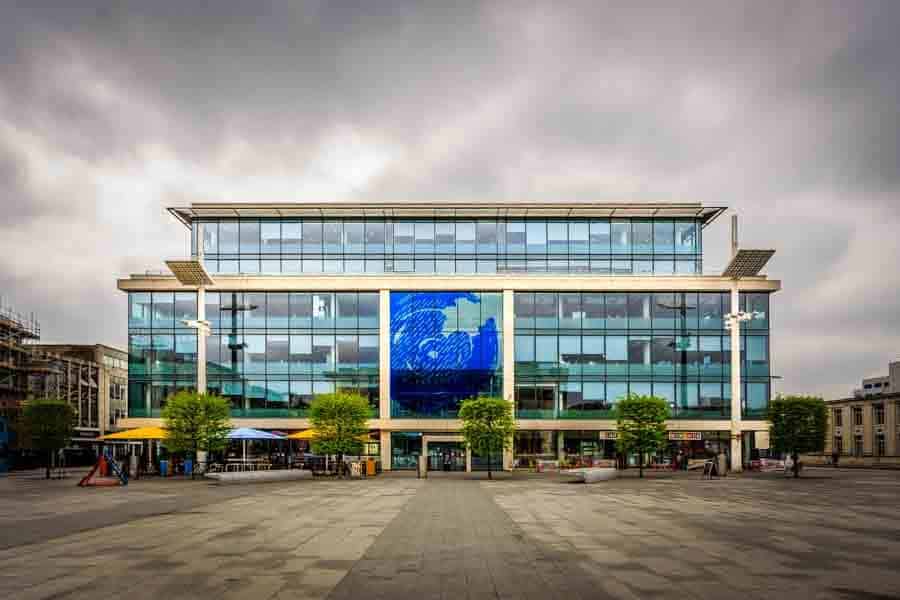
98	475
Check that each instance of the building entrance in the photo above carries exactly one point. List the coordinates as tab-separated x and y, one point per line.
446	456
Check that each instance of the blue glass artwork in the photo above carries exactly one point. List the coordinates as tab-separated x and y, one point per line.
435	364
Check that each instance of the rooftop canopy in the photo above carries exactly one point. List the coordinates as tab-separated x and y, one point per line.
533	210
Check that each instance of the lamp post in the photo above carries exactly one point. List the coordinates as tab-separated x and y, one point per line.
744	263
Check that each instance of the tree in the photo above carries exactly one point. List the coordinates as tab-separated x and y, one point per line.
487	425
340	423
798	425
196	422
50	423
641	425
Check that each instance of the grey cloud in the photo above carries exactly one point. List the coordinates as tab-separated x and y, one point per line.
785	111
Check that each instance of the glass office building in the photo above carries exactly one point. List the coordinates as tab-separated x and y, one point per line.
562	309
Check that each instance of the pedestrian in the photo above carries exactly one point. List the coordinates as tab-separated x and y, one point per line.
835	457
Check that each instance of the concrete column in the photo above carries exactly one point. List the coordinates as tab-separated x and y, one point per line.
509	361
385	450
202	332
384	355
736	446
560	445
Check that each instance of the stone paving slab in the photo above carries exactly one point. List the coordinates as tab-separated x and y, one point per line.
831	535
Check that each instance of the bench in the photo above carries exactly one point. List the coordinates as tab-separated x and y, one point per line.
591	474
259	476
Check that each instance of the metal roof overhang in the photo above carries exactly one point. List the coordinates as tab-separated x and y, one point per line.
692	210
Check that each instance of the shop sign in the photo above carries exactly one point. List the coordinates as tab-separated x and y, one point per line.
685	436
607	435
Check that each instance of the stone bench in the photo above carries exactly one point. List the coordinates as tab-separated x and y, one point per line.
260	476
590	474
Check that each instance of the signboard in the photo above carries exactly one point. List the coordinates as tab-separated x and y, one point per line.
685	436
607	435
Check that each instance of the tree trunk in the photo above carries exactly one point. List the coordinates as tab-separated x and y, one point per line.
490	465
47	469
340	465
796	467
641	465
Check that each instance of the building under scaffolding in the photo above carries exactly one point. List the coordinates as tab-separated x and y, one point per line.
91	378
16	333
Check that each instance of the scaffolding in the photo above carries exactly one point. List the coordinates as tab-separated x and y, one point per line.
28	370
16	333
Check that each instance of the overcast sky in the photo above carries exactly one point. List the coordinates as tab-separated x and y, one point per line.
787	112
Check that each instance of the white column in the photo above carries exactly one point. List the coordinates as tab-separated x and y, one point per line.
384	355
202	332
385	450
736	447
509	361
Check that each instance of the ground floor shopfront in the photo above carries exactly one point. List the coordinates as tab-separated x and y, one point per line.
398	443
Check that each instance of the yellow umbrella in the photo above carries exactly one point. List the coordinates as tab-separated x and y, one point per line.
310	434
140	433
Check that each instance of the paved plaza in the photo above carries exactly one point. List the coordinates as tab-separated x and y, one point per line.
833	534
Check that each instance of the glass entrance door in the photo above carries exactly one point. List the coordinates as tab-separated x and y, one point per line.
446	456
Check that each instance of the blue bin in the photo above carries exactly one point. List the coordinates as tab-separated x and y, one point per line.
188	467
164	468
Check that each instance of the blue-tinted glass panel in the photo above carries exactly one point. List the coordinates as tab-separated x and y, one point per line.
249	237
536	237
600	237
163	310
515	237
291	237
686	237
465	238
579	233
139	310
621	237
663	237
642	237
558	237
228	237
270	237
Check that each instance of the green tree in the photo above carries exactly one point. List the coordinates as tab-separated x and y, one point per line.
487	426
50	423
196	422
798	425
340	423
641	425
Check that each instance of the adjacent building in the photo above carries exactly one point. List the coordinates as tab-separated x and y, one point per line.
865	428
93	379
561	309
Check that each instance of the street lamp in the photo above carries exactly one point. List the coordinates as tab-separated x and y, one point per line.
744	263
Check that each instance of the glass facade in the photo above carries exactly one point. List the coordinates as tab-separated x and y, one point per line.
577	353
269	352
465	246
445	347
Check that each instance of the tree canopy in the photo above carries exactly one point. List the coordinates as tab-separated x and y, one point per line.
196	422
340	422
50	424
641	425
488	426
798	425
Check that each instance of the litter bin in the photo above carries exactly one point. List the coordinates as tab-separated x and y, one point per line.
188	467
164	468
